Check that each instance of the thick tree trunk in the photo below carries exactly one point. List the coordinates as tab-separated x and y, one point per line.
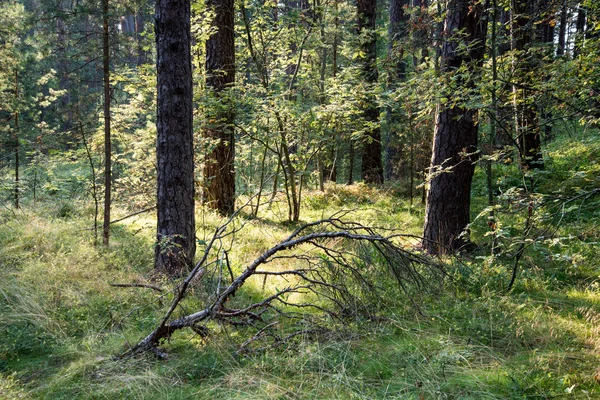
372	164
219	170
175	151
455	137
107	141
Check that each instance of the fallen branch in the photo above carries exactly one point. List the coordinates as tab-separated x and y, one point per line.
138	285
339	276
145	210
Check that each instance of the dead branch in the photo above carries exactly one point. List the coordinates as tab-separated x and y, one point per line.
138	285
341	262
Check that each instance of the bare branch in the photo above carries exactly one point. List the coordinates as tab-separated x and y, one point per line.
335	275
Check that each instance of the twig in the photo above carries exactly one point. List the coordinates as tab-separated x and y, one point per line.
138	285
133	215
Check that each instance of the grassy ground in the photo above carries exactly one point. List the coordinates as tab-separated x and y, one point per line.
61	323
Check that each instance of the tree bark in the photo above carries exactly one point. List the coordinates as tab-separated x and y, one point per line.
372	164
175	151
219	170
455	136
107	141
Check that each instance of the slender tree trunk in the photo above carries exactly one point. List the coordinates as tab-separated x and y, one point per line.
562	29
546	31
421	38
16	188
580	31
92	179
455	137
331	173
494	105
261	182
336	23
176	244
351	163
526	118
397	33
323	153
107	141
372	164
219	170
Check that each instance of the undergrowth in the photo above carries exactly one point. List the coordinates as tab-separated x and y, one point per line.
62	323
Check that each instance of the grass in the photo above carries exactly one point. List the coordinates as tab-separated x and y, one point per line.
61	323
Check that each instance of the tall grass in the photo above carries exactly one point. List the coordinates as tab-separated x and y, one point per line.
61	323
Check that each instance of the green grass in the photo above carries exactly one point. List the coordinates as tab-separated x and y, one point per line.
61	323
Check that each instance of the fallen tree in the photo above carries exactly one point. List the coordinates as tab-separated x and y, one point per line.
334	266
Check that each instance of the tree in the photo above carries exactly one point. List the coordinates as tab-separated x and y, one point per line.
12	60
174	150
526	118
372	166
455	135
219	172
397	35
107	142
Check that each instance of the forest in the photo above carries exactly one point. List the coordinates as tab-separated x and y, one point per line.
299	199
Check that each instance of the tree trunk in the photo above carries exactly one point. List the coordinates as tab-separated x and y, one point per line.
455	136
350	180
175	151
16	188
562	31
580	31
219	170
397	32
546	38
372	164
421	38
107	141
526	118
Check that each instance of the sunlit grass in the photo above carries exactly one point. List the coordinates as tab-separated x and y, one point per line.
62	323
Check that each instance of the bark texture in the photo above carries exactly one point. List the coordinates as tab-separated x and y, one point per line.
455	136
175	153
372	163
219	170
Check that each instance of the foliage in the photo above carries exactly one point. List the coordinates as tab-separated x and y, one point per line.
61	322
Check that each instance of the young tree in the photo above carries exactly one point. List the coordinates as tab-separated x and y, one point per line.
455	136
175	151
526	117
397	34
107	141
372	165
12	61
219	172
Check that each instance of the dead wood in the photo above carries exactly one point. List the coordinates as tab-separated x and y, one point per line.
138	285
341	262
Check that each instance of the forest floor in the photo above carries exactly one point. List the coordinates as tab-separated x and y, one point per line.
62	323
